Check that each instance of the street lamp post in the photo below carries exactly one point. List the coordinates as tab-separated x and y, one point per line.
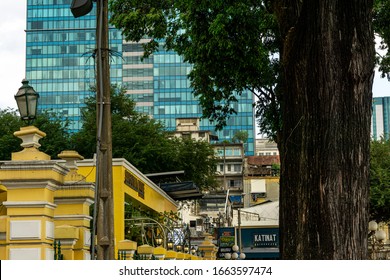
188	237
170	244
193	250
236	255
159	241
27	101
376	239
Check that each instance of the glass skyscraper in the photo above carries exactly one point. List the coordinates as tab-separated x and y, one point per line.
380	123
60	66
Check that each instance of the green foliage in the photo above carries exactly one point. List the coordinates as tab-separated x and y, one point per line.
146	17
232	45
135	137
381	15
9	123
197	159
380	180
54	127
240	136
275	169
145	143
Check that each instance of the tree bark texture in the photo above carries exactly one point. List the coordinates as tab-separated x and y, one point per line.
328	61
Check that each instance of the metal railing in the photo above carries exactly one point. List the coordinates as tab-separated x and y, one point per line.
379	253
57	250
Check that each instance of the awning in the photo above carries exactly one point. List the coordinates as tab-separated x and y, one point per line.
181	190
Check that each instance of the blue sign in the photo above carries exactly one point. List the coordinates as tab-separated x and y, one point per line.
257	242
260	237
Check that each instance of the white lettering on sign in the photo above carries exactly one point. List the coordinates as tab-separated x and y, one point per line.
265	237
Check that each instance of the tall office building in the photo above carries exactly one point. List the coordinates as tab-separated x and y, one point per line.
380	123
61	68
59	56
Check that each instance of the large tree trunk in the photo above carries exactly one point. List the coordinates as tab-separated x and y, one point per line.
328	60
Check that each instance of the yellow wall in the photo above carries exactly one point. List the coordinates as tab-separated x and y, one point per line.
154	198
23	195
42	174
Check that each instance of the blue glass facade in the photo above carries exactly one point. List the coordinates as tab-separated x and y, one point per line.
60	66
380	123
59	61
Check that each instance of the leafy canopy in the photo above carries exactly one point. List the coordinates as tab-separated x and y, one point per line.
145	142
381	23
232	45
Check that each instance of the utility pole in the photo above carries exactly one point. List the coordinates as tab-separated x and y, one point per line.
104	204
103	216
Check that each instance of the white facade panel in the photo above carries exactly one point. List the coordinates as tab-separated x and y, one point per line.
25	230
87	256
87	238
25	254
49	254
49	230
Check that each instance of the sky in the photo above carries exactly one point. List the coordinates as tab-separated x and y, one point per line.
12	53
12	49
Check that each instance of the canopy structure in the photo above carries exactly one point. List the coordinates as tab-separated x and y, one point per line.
182	190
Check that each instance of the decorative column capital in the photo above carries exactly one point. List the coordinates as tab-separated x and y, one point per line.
71	158
30	136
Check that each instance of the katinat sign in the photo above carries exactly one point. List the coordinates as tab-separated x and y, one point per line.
265	240
256	242
260	242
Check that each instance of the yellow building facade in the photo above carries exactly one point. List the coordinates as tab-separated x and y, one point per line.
46	201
